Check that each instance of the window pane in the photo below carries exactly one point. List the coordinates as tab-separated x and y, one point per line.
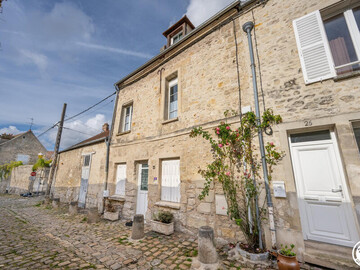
86	160
341	45
310	136
173	115
144	177
357	136
357	17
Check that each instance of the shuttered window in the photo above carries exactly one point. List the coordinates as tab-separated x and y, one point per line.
170	181
120	180
315	56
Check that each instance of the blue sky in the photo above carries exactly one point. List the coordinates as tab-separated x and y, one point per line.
73	51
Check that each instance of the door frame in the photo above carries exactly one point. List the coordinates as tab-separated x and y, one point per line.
82	205
139	173
347	198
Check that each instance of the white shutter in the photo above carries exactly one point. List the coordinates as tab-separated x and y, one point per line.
120	180
170	181
314	51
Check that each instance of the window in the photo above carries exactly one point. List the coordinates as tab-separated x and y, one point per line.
126	118
356	127
86	161
176	38
170	180
329	43
171	100
343	34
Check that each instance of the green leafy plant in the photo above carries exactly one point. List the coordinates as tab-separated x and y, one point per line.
41	163
164	217
287	251
237	167
5	170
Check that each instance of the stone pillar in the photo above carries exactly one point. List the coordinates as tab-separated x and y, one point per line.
56	202
138	227
206	246
73	208
93	215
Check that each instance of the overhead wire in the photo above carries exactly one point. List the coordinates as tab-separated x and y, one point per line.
77	131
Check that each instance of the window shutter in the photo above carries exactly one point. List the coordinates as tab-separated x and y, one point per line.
120	180
170	181
314	51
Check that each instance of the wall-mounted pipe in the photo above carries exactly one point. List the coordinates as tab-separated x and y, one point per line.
247	27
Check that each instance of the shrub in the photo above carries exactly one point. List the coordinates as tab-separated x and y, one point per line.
164	217
287	251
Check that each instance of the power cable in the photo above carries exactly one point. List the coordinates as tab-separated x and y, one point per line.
48	129
72	117
77	131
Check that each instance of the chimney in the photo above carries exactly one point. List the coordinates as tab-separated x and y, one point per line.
105	127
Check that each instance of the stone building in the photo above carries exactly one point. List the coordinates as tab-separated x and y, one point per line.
80	173
307	72
23	147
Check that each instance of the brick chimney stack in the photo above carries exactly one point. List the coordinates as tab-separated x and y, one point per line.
105	127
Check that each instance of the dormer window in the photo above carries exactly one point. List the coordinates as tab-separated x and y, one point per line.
178	31
176	38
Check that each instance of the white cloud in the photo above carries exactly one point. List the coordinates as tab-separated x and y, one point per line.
115	50
75	132
38	59
10	130
199	11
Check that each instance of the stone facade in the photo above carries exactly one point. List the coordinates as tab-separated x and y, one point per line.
205	65
24	144
69	170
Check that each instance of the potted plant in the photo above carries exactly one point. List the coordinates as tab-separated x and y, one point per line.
163	223
286	258
111	212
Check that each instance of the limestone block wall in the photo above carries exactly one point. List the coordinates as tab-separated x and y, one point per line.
19	179
207	83
68	175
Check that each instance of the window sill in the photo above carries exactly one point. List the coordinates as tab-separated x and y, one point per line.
170	120
123	133
347	75
117	198
172	205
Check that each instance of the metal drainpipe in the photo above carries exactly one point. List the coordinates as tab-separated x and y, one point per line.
108	144
247	27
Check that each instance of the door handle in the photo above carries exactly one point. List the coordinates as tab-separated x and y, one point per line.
337	190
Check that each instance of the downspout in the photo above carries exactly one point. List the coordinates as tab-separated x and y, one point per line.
108	143
247	27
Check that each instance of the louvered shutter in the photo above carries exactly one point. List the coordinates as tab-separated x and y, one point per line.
170	181
120	180
314	51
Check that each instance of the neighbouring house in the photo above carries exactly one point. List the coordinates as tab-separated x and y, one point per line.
307	61
80	173
23	147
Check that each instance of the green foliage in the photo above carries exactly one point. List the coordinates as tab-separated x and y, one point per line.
236	166
287	251
164	217
40	164
5	170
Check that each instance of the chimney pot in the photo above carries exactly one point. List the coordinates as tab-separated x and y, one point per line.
105	127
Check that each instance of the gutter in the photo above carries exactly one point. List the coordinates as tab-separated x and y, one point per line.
192	33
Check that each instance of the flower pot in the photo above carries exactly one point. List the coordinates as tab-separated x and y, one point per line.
112	216
164	228
287	262
253	257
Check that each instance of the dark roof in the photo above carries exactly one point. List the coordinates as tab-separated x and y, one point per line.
97	138
177	24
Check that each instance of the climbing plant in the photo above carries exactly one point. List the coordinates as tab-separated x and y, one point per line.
41	163
237	167
5	169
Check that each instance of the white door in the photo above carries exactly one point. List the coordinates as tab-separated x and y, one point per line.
324	203
142	197
84	180
120	180
170	180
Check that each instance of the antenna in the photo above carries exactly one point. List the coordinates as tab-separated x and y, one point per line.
32	119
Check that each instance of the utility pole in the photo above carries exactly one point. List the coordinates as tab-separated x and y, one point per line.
56	151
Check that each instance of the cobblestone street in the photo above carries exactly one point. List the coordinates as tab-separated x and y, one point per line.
33	236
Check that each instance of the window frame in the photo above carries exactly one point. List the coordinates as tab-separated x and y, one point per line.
123	123
178	35
354	31
173	82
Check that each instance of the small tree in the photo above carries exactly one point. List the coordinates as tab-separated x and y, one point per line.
237	168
